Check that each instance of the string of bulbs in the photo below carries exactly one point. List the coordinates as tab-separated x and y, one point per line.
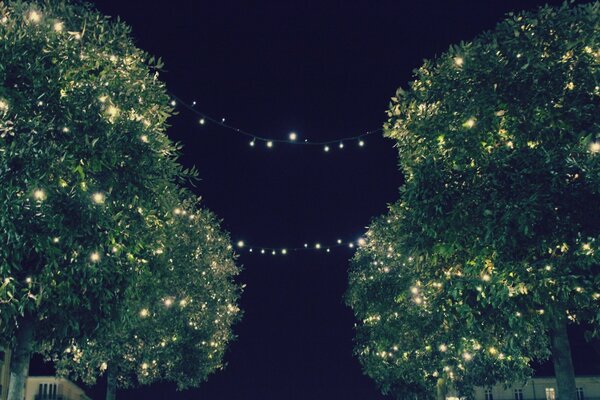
282	251
292	138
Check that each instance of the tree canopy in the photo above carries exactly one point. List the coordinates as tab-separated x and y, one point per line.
84	165
499	141
175	321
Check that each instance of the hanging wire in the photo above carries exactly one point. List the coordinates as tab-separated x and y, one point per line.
204	118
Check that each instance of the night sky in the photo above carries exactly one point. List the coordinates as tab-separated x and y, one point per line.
324	69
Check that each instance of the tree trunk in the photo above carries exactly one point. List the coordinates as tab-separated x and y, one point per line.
19	365
111	383
440	389
561	357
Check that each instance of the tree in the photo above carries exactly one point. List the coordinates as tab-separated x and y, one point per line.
499	142
175	321
428	326
84	160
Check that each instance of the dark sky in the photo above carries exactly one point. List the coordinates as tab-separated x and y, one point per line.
324	69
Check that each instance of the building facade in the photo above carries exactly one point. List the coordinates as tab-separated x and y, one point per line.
588	388
39	387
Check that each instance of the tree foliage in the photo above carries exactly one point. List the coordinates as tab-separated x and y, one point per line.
175	321
499	140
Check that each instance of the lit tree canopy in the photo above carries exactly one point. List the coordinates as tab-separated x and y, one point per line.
175	321
499	140
427	324
84	160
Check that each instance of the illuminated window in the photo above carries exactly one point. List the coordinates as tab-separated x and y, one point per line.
550	394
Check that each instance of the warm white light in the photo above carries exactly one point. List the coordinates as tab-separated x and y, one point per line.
112	111
95	257
318	246
414	290
467	356
351	245
274	252
293	136
202	121
305	245
469	123
284	251
339	241
252	143
361	242
168	302
361	143
144	312
240	244
3	105
459	61
34	16
58	26
98	198
262	251
443	348
595	147
55	239
341	145
173	103
269	144
177	211
39	195
144	138
326	148
145	366
28	279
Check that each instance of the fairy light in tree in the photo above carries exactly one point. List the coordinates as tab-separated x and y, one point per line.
595	147
55	239
202	121
443	348
3	105
240	244
270	144
361	143
98	198
144	312
459	61
34	17
144	138
39	194
95	257
326	148
58	26
469	123
168	302
293	136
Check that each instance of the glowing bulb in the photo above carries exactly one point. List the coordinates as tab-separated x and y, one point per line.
595	147
493	351
65	129
274	252
339	241
145	366
486	277
240	244
168	302
414	290
28	279
351	245
284	251
361	143
318	246
58	26
293	136
95	257
177	211
144	313
305	245
112	111
467	356
98	198
3	105
39	195
326	148
270	144
34	16
459	61
262	251
443	348
173	103
55	239
341	145
144	138
361	242
202	121
469	123
252	143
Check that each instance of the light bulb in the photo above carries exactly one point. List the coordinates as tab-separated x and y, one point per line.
270	144
58	26
240	244
361	143
252	143
326	148
39	195
95	257
293	136
459	61
341	145
98	198
202	121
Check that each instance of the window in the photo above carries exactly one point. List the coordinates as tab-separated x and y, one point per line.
518	394
488	395
550	394
580	393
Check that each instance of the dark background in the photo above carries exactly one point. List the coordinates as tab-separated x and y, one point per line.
325	69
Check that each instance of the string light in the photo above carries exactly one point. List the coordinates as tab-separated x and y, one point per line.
317	246
39	195
291	139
